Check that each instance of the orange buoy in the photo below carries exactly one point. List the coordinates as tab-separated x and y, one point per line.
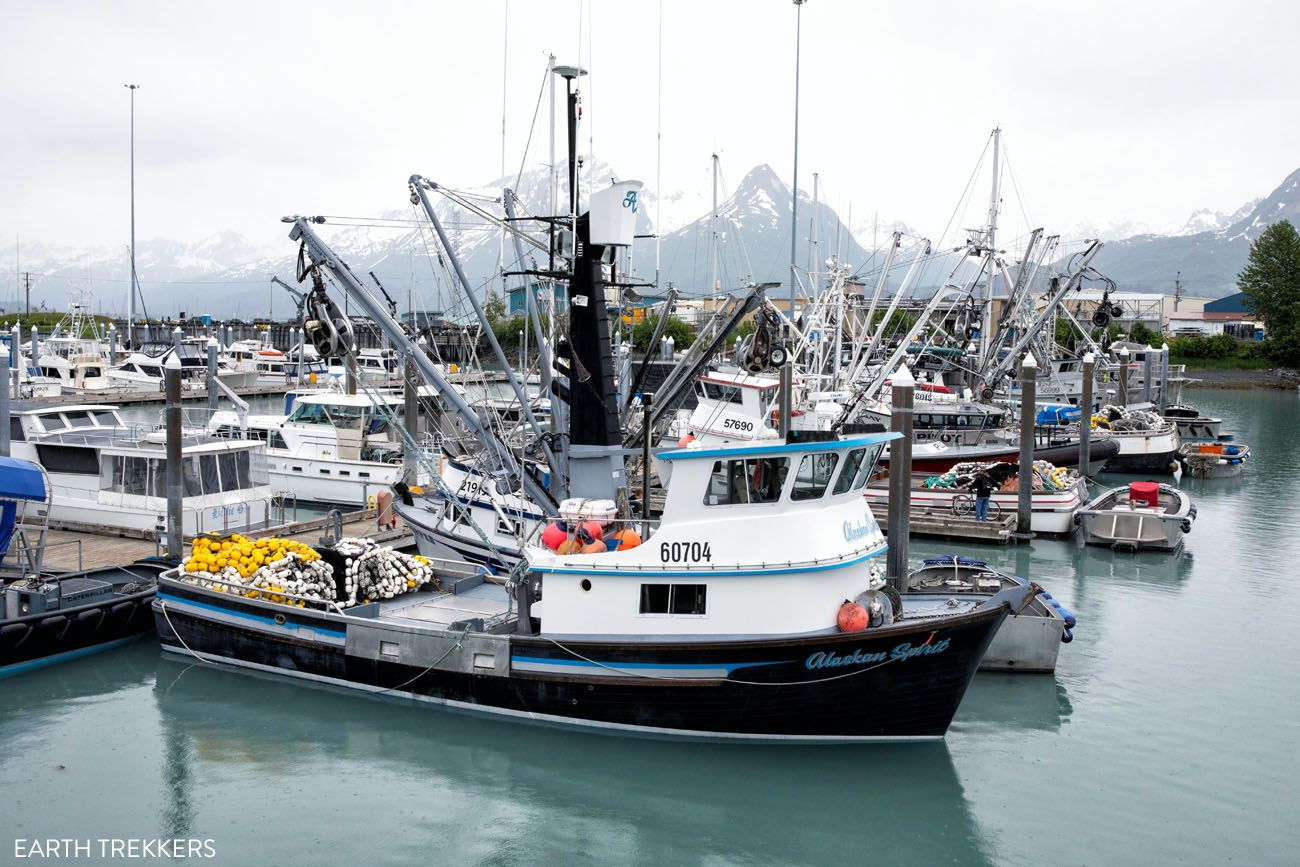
685	441
594	529
569	546
852	617
553	536
595	546
627	538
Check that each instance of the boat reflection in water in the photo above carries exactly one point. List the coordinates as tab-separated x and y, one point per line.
348	767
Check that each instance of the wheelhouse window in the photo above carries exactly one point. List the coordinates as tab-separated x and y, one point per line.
744	481
849	472
725	393
107	418
682	599
814	475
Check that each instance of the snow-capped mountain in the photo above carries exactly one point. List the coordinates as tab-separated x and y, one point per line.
1209	258
228	275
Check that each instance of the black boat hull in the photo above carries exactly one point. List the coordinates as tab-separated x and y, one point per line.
37	640
898	682
1159	463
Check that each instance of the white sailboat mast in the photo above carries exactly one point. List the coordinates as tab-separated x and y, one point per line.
990	240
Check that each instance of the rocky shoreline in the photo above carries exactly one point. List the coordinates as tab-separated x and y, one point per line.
1280	377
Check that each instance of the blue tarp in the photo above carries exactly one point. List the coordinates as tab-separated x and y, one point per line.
1057	414
21	480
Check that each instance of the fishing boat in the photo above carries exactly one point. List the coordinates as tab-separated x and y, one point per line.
46	618
1058	493
1148	443
719	626
1028	640
1191	423
1138	517
1213	460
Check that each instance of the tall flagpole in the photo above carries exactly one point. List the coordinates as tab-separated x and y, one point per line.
135	283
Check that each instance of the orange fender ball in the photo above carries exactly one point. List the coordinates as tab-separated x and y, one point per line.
553	537
853	617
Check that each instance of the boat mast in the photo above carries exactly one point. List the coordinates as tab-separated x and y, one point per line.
794	181
990	241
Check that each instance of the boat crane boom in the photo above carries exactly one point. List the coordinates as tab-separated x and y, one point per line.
1059	291
321	255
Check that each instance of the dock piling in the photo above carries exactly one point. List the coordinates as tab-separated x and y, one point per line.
1123	376
213	396
1148	373
900	475
175	525
1085	414
1028	409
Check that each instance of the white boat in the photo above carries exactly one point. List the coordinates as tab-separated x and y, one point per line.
142	370
1028	640
1139	516
1213	460
107	474
79	365
1053	509
332	447
1148	444
270	366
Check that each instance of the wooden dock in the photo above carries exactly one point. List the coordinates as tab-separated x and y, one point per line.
943	524
120	396
69	549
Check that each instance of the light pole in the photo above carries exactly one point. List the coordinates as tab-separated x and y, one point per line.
794	181
130	316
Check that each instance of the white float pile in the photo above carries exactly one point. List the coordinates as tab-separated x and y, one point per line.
372	571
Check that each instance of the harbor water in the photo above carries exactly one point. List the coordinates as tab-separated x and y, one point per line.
1170	733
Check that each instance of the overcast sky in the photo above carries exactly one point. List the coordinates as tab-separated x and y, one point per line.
1113	111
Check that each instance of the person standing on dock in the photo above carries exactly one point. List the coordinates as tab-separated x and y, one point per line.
982	487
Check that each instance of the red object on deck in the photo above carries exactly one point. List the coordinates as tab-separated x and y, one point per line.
1144	493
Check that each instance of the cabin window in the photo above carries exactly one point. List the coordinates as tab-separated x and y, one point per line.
107	418
276	441
753	480
16	434
687	599
864	472
78	418
852	464
814	475
128	368
725	393
68	459
507	527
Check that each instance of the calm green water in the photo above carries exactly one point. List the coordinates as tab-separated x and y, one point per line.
1170	734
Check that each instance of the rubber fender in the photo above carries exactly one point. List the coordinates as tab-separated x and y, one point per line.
1067	636
14	634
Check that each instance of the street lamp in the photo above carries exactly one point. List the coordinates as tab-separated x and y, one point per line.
130	316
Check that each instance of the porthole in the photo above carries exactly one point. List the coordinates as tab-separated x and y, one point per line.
586	584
